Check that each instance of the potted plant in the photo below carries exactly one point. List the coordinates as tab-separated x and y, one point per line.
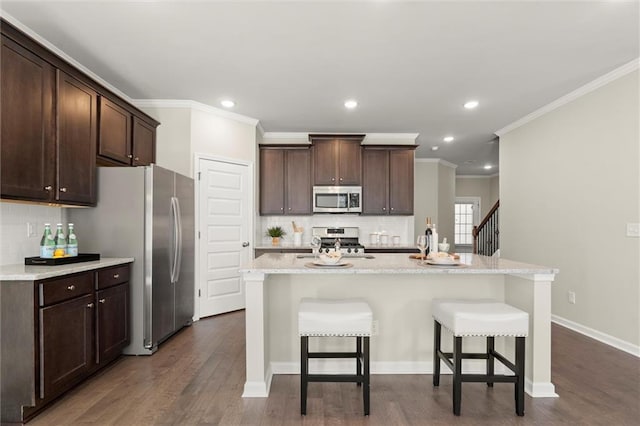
276	232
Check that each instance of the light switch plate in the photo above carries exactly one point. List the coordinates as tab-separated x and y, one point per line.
31	230
633	229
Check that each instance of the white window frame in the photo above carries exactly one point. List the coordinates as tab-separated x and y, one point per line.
476	201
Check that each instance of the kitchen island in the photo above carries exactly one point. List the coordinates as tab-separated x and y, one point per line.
399	290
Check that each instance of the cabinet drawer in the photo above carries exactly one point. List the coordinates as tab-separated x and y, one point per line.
65	288
112	276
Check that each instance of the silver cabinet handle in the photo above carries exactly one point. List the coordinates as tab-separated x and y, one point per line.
281	208
48	188
384	209
90	305
130	156
340	179
116	276
63	189
101	300
333	179
245	244
71	287
289	208
391	208
136	159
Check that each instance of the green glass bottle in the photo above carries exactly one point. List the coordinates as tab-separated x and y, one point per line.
47	243
61	242
72	242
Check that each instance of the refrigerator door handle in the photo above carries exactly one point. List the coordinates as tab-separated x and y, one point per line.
173	247
178	240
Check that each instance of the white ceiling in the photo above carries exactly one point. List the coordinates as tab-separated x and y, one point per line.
291	64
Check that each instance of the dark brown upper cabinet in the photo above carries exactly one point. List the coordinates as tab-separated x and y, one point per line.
285	180
337	159
387	180
58	124
125	140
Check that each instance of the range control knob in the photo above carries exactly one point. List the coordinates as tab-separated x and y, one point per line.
355	250
326	250
349	250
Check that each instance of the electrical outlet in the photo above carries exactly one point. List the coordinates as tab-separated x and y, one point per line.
31	230
572	297
375	328
633	229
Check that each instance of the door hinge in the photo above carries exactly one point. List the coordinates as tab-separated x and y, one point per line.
199	293
199	174
198	234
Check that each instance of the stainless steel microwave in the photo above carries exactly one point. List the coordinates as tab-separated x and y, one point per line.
337	199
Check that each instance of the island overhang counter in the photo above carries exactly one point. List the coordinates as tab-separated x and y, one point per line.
399	290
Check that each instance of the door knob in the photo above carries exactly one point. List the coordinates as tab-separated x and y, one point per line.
48	188
63	189
245	244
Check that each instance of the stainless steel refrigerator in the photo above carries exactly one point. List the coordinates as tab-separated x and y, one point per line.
146	213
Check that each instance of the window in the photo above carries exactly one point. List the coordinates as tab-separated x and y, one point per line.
467	214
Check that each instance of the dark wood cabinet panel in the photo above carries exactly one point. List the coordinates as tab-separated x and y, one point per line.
112	322
337	160
66	355
375	182
144	143
271	181
298	181
285	180
114	140
76	148
27	137
401	180
387	181
349	162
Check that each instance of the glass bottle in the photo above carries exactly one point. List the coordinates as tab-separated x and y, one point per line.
47	243
61	242
429	233
72	242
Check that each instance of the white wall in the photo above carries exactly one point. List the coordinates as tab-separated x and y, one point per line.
569	184
446	203
173	138
477	187
13	229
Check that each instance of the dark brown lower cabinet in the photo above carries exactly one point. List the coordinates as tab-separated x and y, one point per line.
112	325
56	333
66	350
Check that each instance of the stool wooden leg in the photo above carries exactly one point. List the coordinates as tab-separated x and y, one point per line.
520	351
304	371
490	358
365	386
359	358
437	332
457	374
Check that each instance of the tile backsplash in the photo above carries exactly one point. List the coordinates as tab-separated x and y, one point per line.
401	226
14	218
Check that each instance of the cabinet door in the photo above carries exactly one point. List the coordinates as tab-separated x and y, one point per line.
114	141
66	350
27	138
271	181
349	162
144	143
401	182
375	181
77	132
112	322
325	161
298	181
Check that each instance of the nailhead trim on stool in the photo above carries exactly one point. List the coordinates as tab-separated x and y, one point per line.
485	318
335	317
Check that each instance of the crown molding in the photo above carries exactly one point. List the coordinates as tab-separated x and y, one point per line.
37	37
185	103
581	91
260	129
390	138
287	135
436	160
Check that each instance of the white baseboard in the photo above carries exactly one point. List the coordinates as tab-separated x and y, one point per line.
598	335
257	389
540	389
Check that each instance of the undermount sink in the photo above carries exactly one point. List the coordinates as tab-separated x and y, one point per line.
346	256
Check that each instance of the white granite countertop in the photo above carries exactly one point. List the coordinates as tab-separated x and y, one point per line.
40	272
391	263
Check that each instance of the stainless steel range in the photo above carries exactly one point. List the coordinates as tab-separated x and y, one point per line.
343	239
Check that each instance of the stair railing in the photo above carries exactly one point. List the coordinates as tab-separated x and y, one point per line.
486	235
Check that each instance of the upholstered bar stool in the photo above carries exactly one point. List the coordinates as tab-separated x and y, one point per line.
486	318
335	317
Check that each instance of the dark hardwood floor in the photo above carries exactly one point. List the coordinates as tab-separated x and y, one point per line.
196	378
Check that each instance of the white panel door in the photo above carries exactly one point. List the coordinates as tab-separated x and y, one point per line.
225	220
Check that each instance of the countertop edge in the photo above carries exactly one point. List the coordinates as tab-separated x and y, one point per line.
32	273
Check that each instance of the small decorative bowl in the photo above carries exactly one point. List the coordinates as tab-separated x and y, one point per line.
332	259
443	247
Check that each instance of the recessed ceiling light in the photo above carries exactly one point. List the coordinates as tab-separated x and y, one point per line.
434	148
488	166
448	139
471	104
351	104
228	103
